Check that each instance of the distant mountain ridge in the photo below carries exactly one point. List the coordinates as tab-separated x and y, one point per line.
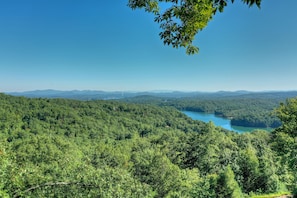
74	94
107	95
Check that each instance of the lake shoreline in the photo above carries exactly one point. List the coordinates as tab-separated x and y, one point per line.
221	121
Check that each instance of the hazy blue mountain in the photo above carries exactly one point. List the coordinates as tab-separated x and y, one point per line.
74	94
105	95
94	95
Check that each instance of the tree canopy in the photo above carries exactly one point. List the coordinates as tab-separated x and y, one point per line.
68	148
183	19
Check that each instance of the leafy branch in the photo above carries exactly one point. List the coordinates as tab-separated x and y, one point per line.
184	18
17	194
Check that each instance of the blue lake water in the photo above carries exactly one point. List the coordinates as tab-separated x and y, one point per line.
219	121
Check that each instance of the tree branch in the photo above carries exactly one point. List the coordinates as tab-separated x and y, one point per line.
49	184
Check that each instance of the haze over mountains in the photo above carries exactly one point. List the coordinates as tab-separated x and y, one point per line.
106	95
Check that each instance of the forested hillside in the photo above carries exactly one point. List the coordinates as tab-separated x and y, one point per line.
244	108
69	148
248	109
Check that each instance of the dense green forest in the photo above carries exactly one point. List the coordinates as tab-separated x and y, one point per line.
70	148
244	108
248	109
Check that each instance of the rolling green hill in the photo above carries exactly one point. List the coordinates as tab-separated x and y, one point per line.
248	109
70	148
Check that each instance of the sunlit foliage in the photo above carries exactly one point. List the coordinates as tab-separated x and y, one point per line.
68	148
181	20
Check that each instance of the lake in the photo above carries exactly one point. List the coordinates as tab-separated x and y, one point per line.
219	121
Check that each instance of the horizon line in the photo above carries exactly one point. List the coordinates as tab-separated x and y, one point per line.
147	91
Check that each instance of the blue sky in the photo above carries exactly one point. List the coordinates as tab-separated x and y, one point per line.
104	45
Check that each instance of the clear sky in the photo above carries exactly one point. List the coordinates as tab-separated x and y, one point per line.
104	45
